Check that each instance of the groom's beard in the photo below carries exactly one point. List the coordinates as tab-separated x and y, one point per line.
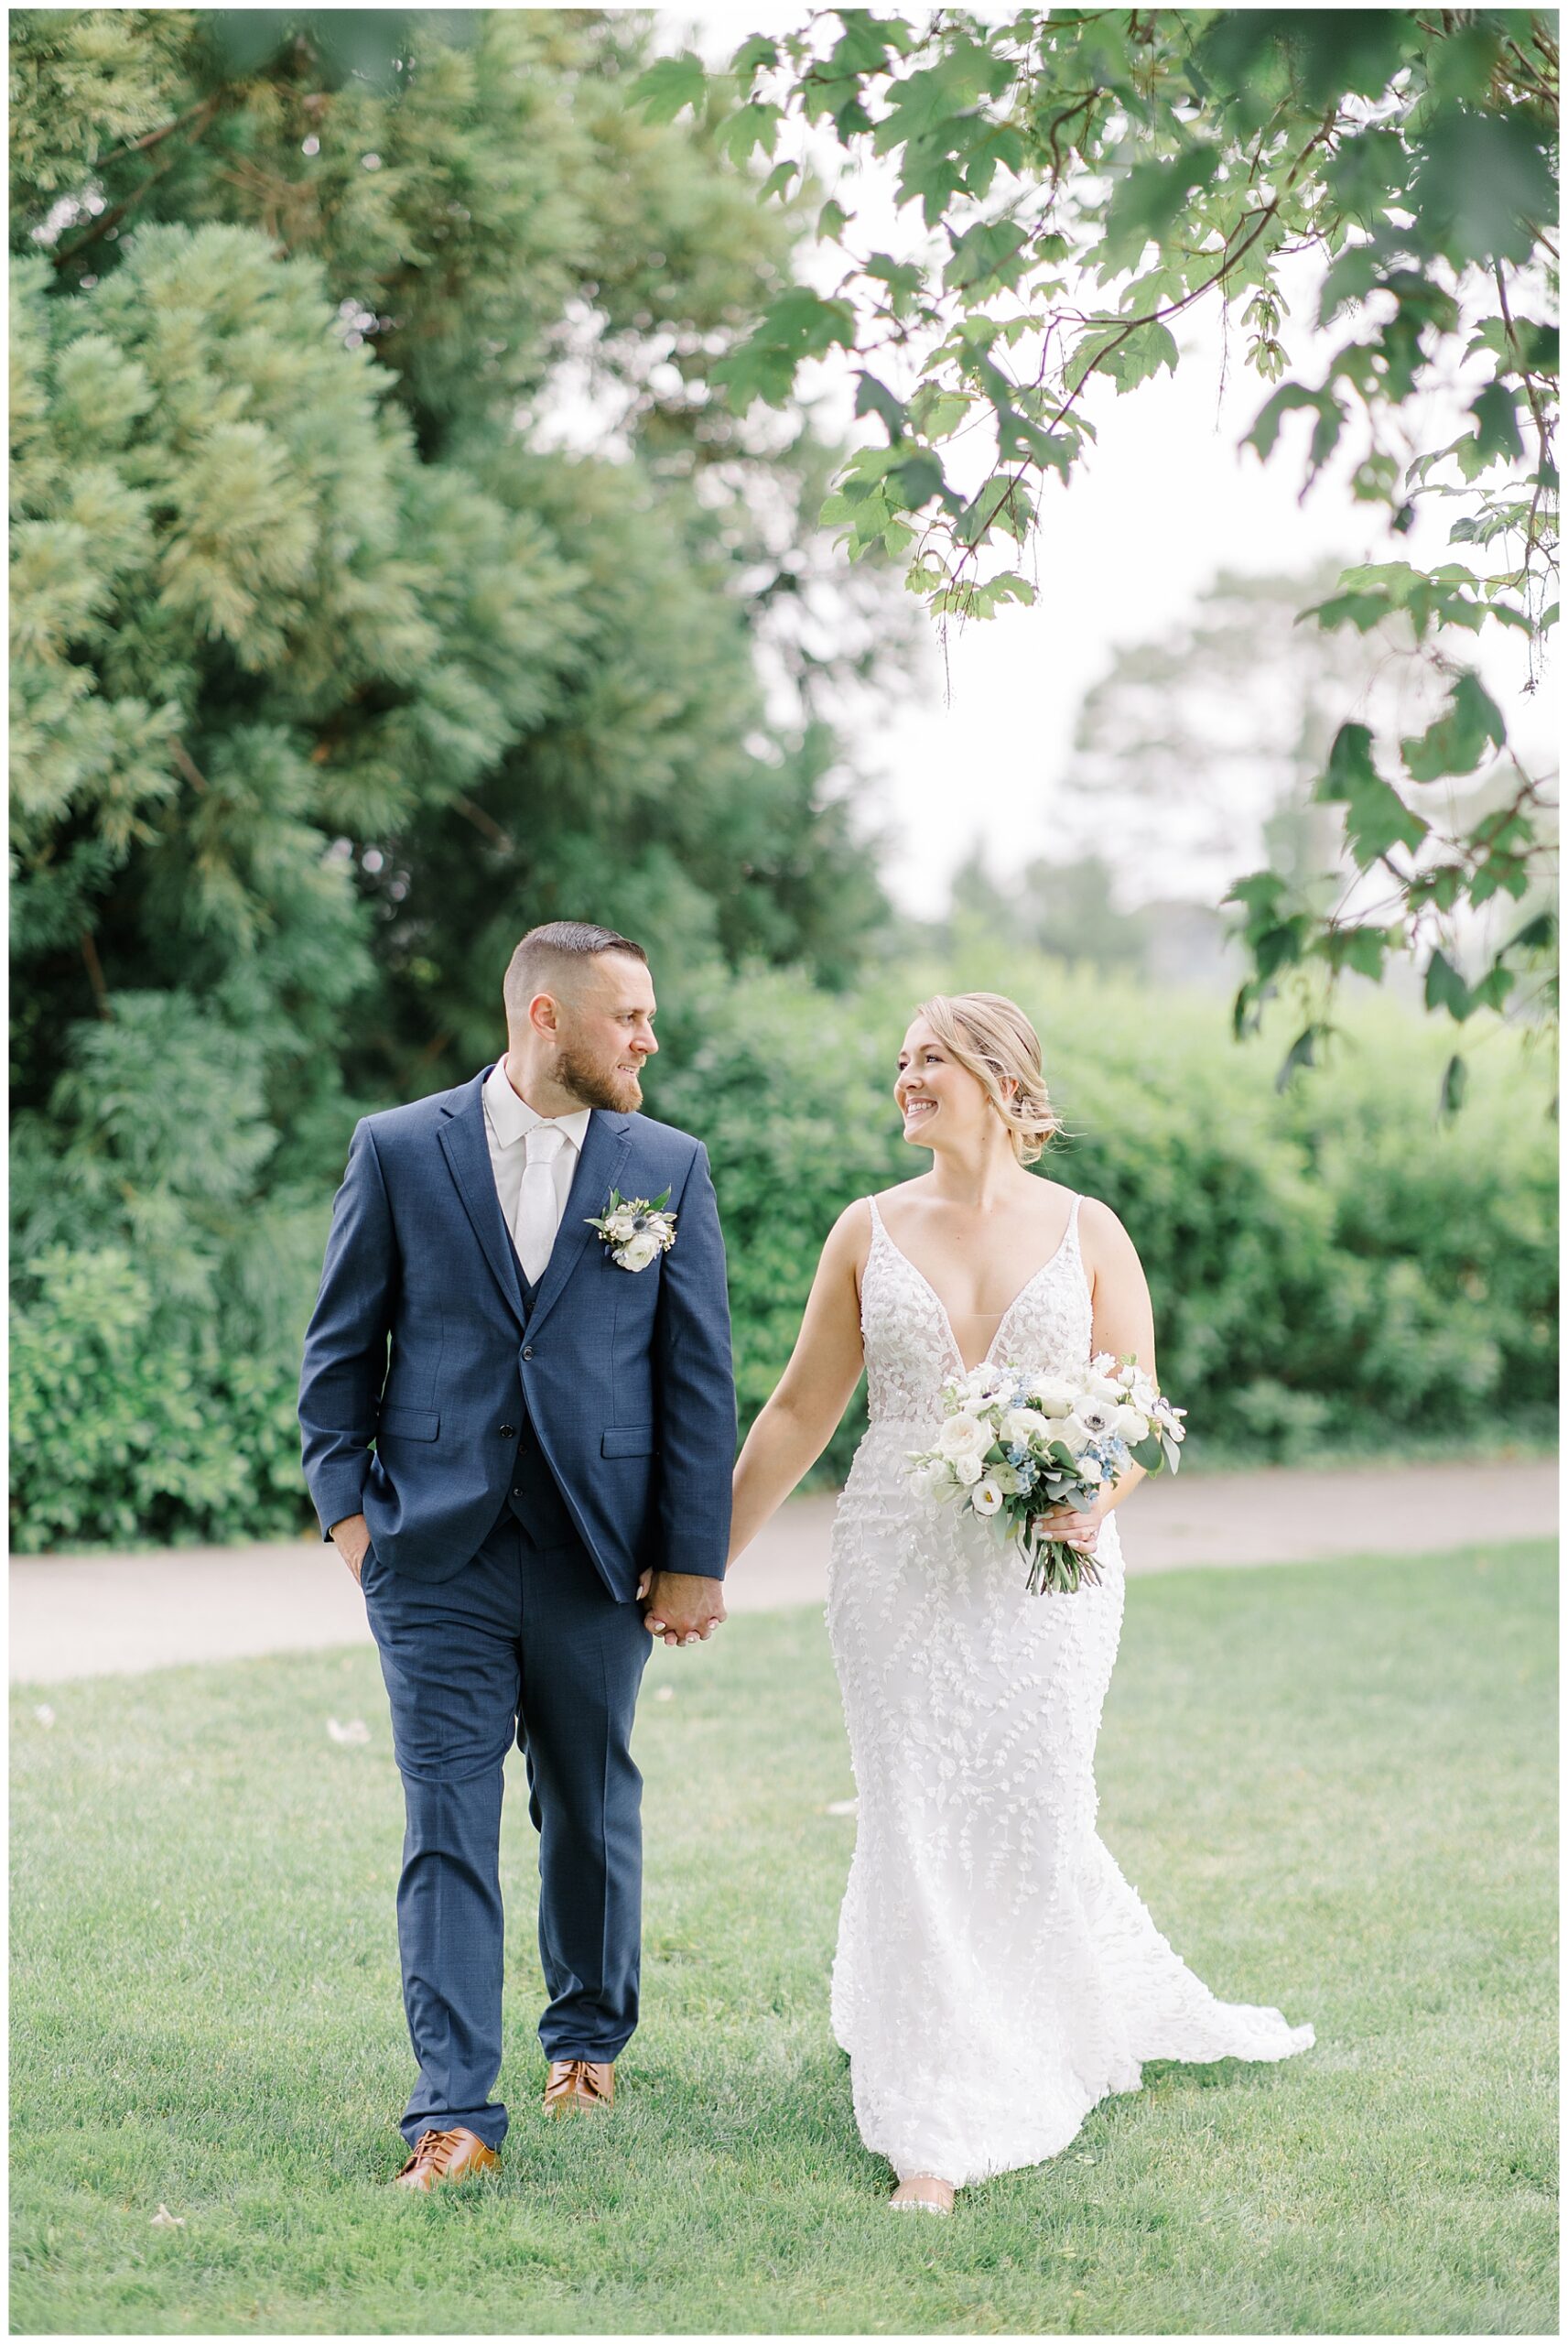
617	1093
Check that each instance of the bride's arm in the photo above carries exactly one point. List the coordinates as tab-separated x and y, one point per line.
800	1419
1123	1314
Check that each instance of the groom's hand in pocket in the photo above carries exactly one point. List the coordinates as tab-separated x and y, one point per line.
351	1538
683	1607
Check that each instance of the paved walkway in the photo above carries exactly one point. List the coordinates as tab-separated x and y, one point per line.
110	1615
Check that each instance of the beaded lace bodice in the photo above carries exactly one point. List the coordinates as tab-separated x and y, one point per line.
907	1333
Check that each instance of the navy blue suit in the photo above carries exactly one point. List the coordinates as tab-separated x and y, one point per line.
534	1450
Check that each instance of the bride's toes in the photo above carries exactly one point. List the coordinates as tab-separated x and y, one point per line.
926	2191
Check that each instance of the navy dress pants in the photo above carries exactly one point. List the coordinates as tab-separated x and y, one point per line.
526	1643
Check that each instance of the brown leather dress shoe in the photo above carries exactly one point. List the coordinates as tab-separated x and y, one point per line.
440	2157
579	2083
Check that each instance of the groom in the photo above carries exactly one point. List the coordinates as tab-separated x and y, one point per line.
549	1423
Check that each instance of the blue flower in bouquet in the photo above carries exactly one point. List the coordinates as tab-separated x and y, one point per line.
1015	1447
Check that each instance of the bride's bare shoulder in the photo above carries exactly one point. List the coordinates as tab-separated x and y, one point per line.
1102	1233
848	1242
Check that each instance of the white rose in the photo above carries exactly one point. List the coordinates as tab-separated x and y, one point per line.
1054	1394
986	1496
968	1468
1102	1387
1019	1428
639	1251
1131	1427
963	1436
1090	1470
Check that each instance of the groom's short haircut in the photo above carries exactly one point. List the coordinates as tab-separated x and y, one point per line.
551	955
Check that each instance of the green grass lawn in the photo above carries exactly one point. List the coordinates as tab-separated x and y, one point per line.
1334	1785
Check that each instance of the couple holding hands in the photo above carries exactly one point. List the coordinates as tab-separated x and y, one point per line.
523	1308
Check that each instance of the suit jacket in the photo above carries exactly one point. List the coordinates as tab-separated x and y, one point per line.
424	1342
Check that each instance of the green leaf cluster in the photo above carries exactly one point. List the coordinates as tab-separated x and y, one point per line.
1094	175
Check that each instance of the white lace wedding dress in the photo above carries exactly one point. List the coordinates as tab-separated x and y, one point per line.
996	1975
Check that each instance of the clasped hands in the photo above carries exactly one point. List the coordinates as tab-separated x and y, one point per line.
683	1607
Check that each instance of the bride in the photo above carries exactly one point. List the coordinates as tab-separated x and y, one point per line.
995	1975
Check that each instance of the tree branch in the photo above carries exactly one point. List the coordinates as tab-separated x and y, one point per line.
110	219
485	824
95	976
203	111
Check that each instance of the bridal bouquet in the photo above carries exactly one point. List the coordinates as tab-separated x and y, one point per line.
1015	1445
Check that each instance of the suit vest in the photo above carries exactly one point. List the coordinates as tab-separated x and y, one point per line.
535	1498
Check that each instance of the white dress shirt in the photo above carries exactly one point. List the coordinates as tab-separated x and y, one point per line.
508	1120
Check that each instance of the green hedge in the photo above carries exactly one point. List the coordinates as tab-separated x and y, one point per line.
124	1431
1332	1270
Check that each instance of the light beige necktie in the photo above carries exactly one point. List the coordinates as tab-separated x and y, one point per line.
538	1214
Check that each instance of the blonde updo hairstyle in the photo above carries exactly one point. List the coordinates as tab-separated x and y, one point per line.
991	1037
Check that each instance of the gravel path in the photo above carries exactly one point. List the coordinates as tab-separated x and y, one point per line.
110	1615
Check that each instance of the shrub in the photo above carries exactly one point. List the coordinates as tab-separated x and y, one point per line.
1332	1270
119	1433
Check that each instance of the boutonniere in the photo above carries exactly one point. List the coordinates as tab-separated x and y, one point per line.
635	1231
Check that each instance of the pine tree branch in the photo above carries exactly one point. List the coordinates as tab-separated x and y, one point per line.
110	219
202	114
205	109
95	976
485	824
187	765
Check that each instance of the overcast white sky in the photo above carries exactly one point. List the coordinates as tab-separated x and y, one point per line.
1165	500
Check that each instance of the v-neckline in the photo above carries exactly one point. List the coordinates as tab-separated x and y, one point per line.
985	1359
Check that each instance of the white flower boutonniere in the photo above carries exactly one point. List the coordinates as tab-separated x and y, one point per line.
635	1231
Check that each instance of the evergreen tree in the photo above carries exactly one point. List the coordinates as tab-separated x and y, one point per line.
332	670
